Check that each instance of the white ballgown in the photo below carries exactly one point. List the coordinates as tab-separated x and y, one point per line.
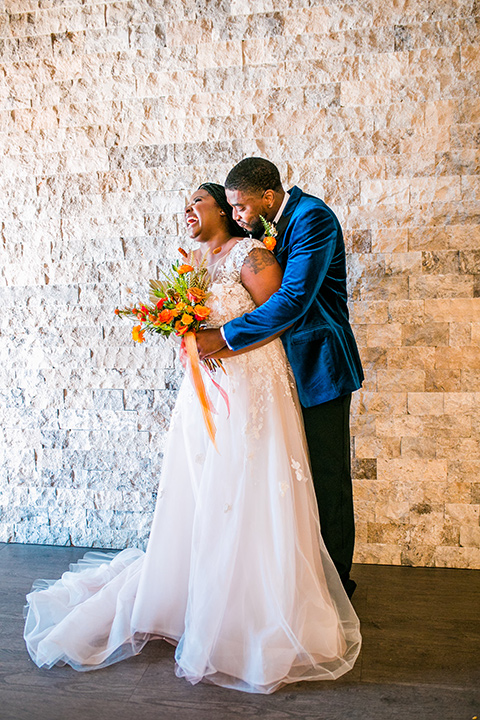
235	573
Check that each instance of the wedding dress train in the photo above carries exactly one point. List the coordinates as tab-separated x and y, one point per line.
235	573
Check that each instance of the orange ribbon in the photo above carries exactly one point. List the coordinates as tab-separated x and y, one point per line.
192	354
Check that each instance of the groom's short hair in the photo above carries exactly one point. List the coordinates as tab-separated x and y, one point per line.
253	174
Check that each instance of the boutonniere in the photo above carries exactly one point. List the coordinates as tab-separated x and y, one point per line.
270	233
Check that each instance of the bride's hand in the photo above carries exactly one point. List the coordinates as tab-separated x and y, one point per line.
209	342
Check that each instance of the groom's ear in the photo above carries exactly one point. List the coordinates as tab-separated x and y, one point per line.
269	198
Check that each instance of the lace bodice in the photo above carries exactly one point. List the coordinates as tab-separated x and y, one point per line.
265	367
229	298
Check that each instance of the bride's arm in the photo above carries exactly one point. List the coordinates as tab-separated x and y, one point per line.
262	276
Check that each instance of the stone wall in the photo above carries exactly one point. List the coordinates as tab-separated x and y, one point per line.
110	112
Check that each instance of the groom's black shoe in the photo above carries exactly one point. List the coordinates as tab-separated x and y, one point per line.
349	586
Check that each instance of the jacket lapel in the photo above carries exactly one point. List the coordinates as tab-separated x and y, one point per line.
281	225
295	194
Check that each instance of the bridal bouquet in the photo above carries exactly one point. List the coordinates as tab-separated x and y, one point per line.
177	305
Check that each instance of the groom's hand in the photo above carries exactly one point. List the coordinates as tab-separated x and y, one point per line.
209	342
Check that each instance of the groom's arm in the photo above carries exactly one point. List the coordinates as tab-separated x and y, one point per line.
262	276
316	238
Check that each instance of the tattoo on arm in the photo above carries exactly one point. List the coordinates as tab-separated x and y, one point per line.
258	259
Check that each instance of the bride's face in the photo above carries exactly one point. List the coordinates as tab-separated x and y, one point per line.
203	216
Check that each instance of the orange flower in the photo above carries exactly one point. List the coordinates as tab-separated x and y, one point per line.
181	329
180	306
165	316
269	242
186	319
184	269
116	311
195	294
201	312
137	334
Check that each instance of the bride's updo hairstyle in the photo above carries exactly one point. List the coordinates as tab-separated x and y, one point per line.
218	193
254	175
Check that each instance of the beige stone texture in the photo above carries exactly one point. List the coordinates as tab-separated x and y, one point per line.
365	92
475	333
384	335
464	402
470	57
458	557
470	187
425	403
470	536
308	20
376	447
391	191
109	115
397	469
380	403
398	380
418	447
220	54
390	241
463	514
377	554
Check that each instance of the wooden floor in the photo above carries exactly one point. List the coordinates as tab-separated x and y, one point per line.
420	658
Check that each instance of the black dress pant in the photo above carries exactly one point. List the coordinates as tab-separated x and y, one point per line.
327	427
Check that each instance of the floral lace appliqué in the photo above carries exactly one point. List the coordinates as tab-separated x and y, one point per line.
297	468
230	299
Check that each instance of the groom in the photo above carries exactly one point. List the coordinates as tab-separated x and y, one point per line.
311	307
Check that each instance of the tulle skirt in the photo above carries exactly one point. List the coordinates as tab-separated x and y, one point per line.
235	574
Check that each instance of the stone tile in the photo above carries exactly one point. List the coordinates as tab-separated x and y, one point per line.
467	557
365	468
460	334
395	469
453	309
441	262
401	380
430	335
389	335
390	241
377	447
378	553
428	403
422	447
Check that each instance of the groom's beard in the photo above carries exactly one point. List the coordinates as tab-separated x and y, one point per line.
256	230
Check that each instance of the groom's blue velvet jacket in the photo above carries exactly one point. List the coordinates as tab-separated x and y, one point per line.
319	344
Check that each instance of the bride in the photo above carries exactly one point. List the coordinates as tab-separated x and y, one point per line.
235	574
